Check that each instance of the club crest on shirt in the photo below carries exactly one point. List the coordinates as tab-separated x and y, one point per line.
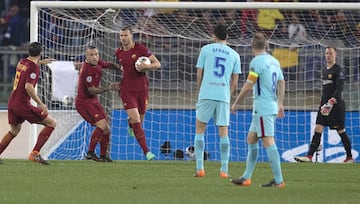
329	76
33	75
89	79
96	115
133	56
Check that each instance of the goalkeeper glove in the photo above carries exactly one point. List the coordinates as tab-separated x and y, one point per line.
326	108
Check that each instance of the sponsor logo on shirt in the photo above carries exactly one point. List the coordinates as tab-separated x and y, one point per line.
326	82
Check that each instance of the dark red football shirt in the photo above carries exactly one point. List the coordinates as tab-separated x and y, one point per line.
133	80
26	72
90	76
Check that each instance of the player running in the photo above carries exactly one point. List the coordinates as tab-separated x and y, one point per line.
20	108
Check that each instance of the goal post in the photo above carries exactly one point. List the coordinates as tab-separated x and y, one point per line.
175	33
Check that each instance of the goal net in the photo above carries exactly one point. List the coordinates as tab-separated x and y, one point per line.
175	32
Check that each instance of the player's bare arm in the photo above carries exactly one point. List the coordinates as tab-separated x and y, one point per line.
199	76
114	86
280	95
77	65
46	61
102	89
114	66
31	92
247	87
234	83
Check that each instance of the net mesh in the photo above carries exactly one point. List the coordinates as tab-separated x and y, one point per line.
297	38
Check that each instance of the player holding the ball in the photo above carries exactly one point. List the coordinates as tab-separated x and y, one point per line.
332	109
87	103
134	85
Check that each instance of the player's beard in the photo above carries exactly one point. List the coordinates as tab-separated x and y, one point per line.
126	43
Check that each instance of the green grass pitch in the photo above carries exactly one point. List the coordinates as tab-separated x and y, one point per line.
171	182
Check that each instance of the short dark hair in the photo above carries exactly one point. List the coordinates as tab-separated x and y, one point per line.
127	28
35	49
331	46
220	32
91	47
259	41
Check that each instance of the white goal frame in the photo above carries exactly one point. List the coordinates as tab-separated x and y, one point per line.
36	5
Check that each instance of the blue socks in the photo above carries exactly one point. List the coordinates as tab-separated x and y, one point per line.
224	153
251	160
199	151
274	159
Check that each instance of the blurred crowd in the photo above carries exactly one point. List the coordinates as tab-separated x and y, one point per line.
14	22
297	26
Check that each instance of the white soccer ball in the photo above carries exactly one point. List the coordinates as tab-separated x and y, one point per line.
142	59
67	101
189	152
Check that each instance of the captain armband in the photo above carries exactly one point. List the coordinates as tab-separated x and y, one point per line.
252	77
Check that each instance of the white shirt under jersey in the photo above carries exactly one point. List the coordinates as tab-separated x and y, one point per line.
218	62
264	91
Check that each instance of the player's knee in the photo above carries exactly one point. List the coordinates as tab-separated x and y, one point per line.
14	130
102	124
14	133
107	130
135	120
49	122
54	124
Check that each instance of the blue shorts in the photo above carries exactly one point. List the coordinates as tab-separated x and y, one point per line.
219	111
263	125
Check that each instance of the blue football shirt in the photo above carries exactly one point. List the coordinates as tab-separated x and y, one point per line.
218	62
264	91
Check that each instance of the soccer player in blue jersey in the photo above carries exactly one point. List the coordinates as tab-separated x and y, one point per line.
218	69
267	82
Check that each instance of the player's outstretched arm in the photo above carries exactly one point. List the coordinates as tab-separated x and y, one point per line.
98	90
46	61
114	86
114	66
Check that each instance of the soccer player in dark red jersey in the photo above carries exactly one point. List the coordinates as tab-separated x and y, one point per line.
331	111
19	106
88	105
134	85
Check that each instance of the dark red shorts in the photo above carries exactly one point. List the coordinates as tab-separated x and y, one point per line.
92	112
134	99
17	115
